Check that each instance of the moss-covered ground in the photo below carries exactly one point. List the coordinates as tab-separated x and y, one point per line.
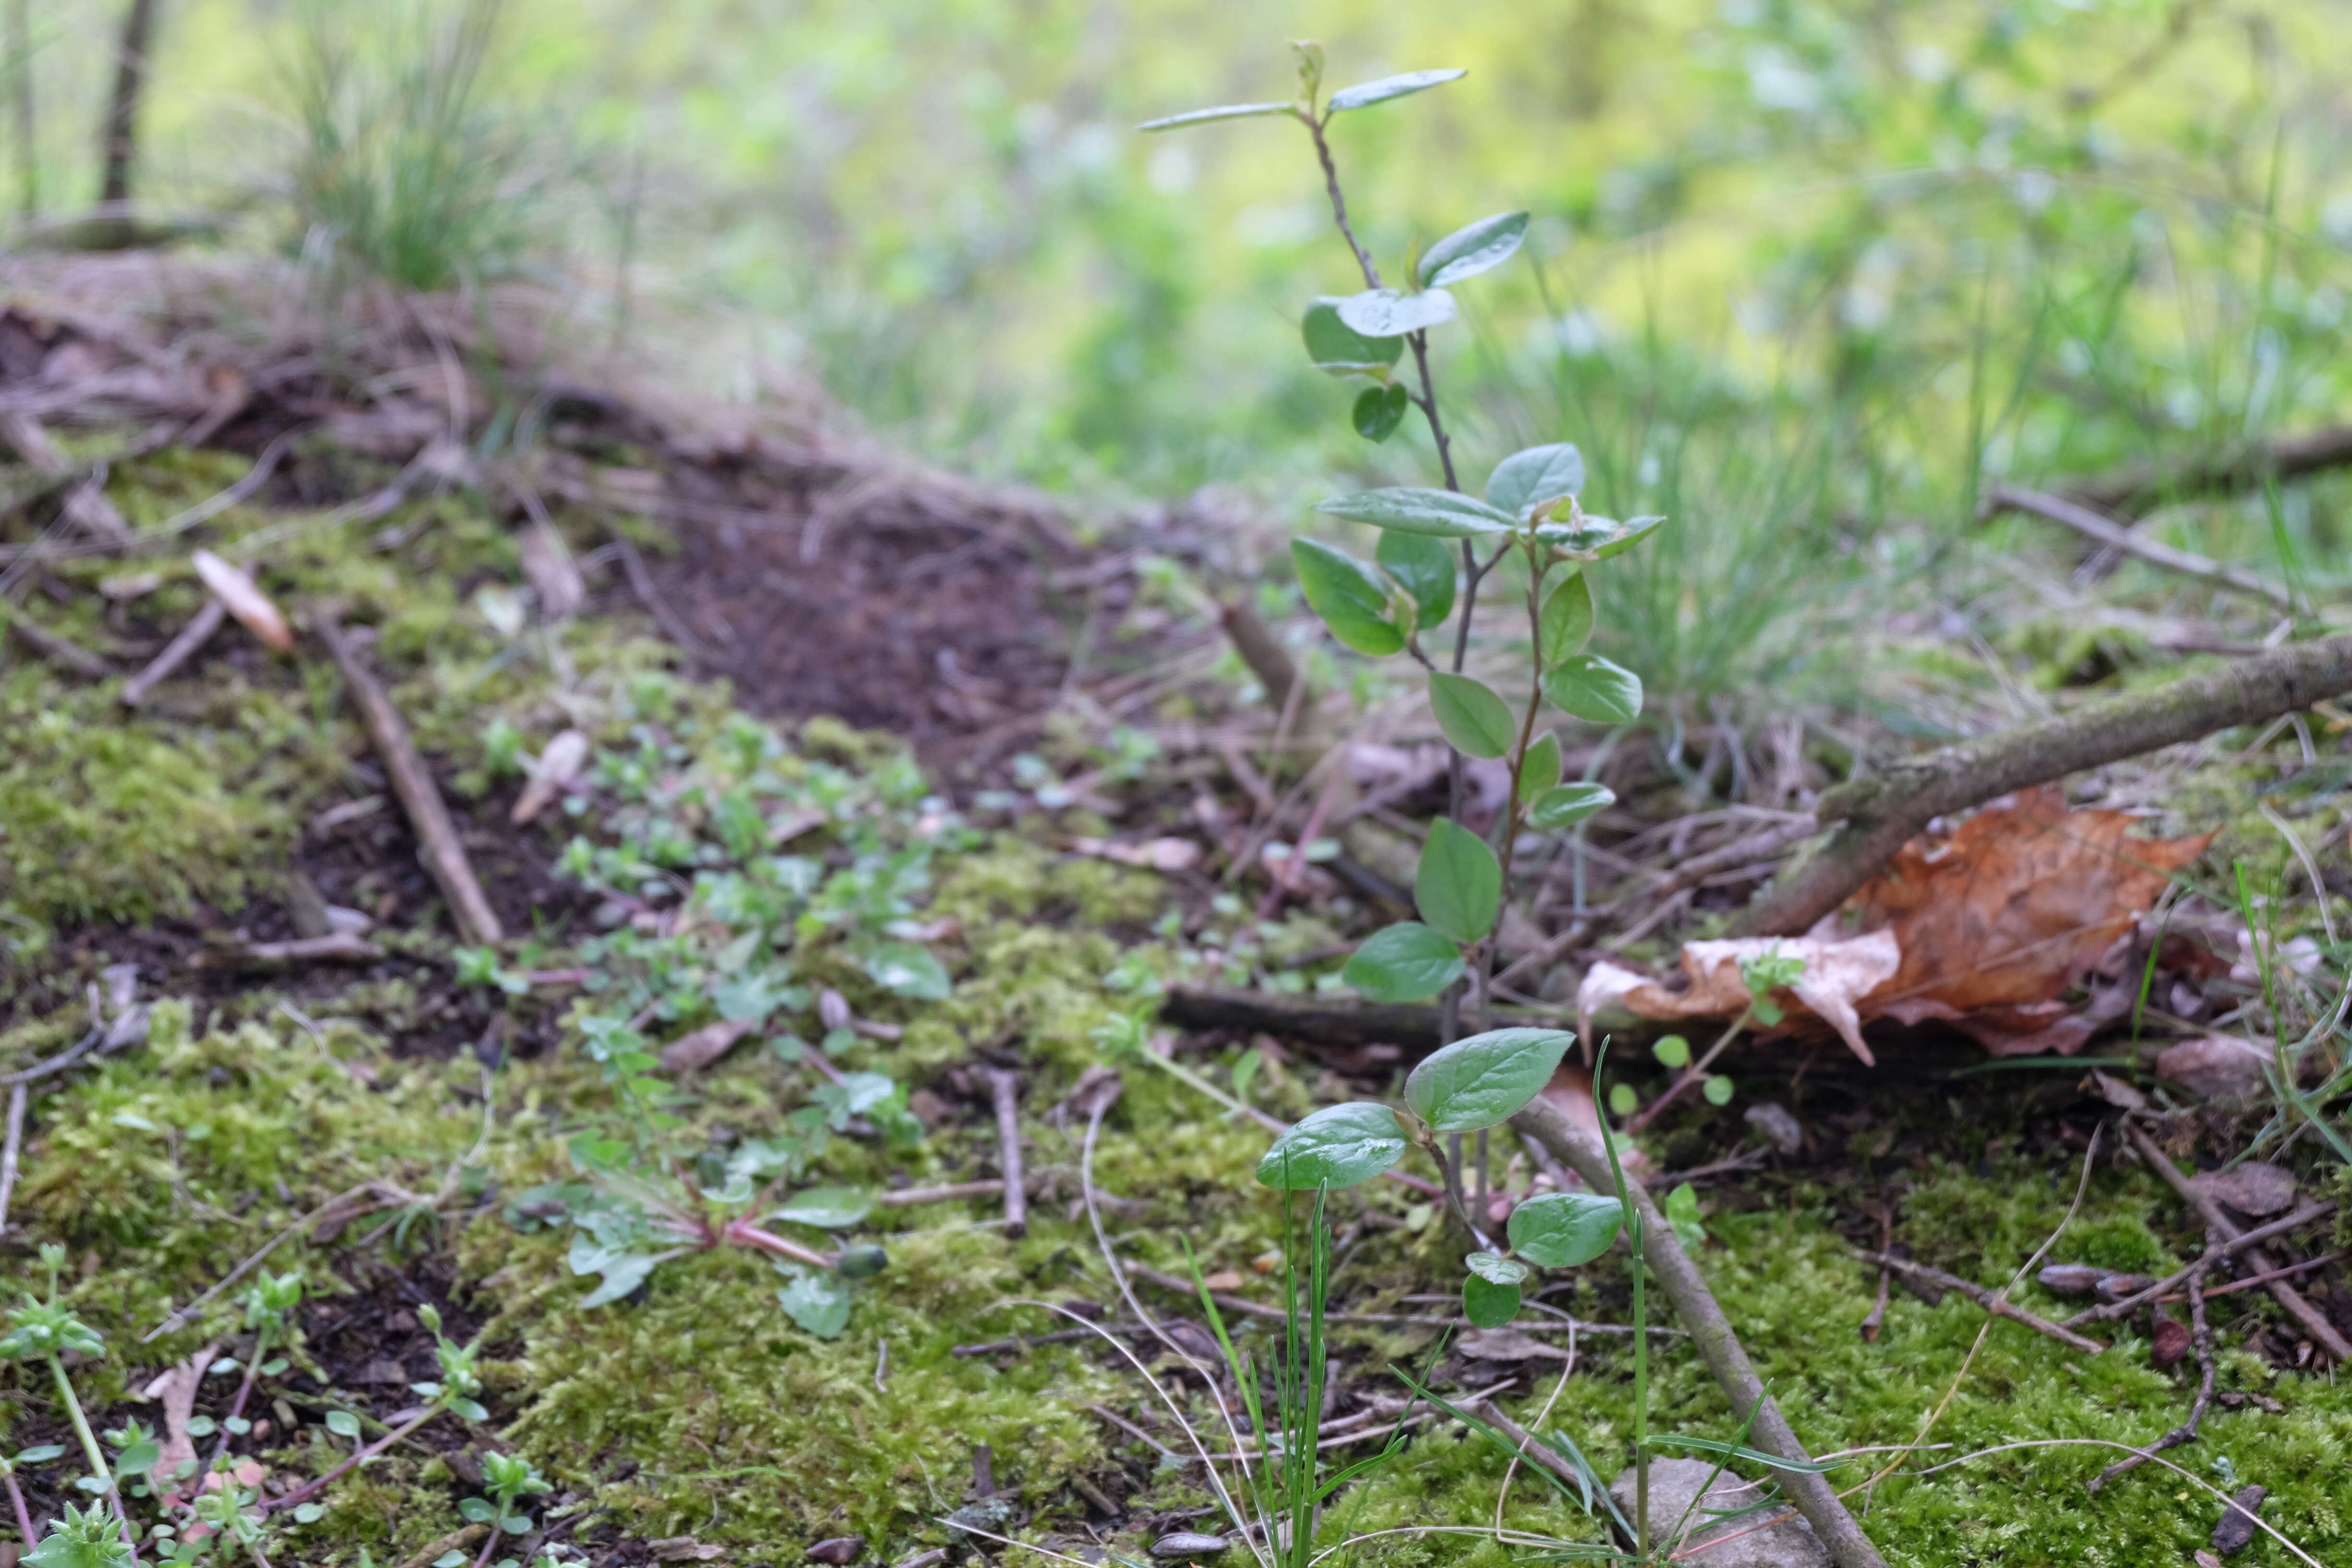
696	1404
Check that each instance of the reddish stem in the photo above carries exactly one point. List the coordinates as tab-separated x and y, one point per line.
304	1492
23	1520
743	1232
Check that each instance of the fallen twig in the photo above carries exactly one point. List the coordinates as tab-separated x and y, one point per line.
1990	1300
1710	1333
8	1149
2187	1431
57	650
2134	487
2213	1253
2298	1306
1005	1088
445	857
178	652
342	947
2104	530
86	506
1871	817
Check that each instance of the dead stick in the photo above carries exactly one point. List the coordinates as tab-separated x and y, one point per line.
952	1192
15	1139
1005	1089
1531	1450
2213	1253
2135	487
181	648
445	857
2105	531
86	506
1710	1331
1873	818
2322	1332
2187	1431
1993	1301
57	650
2252	1280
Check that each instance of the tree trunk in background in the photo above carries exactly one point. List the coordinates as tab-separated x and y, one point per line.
119	142
20	59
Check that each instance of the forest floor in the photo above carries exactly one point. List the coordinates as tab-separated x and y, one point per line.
892	797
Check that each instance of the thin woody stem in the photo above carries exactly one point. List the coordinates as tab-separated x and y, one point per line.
1339	210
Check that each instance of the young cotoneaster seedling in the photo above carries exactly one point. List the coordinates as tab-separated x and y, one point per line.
1529	516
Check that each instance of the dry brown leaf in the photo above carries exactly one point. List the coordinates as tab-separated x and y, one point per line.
177	1387
251	607
1838	973
698	1049
2217	1067
2012	908
548	567
1152	854
558	769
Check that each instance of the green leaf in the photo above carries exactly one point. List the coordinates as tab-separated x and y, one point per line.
1588	687
1340	1144
1364	610
1672	1051
476	1511
1223	112
1623	1101
1404	962
342	1424
1741	1451
1337	349
1564	805
827	1208
1496	1268
1539	474
309	1512
1392	313
1485	1079
41	1454
1565	623
1459	884
1363	95
1425	567
1471	249
1562	1230
1487	1304
450	1560
1379	411
1631	532
1539	769
1717	1089
907	969
1440	514
1476	721
817	1302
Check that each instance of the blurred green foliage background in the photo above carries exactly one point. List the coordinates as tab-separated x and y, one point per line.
1805	274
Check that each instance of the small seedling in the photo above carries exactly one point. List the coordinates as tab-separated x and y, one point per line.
510	1477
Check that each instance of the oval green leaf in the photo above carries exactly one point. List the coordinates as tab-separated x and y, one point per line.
818	1303
1672	1051
1592	687
1539	769
1485	1079
827	1208
1404	962
909	970
1392	313
1477	721
1564	805
1496	1268
1437	514
1471	249
1362	608
1632	530
1363	95
1487	1304
1561	1230
1565	623
1379	411
1340	1144
1537	475
1458	886
1340	350
1717	1089
1425	567
1223	112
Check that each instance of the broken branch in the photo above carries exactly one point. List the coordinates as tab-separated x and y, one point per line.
1869	818
2213	1253
58	650
194	636
445	857
2298	1306
1710	1331
2104	530
86	506
1005	1088
1993	1301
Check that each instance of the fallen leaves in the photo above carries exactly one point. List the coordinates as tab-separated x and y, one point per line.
1995	926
